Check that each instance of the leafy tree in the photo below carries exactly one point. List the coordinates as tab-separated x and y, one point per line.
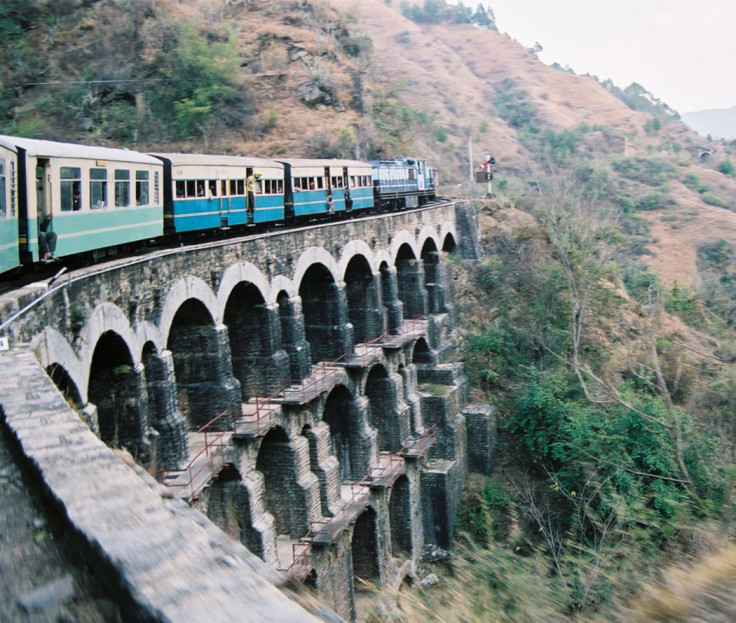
200	86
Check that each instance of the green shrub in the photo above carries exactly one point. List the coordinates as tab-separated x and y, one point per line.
726	167
649	171
713	200
653	201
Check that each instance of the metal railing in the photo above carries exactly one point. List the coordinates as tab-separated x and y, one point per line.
418	446
213	448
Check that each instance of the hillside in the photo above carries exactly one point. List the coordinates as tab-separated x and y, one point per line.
600	324
350	79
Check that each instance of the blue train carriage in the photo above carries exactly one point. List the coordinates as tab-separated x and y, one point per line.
319	188
101	198
9	254
403	182
205	192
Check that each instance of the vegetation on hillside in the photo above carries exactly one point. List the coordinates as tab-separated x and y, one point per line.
616	435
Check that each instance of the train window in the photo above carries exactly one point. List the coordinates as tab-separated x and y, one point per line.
237	187
180	189
321	183
412	173
3	186
212	188
141	188
71	184
280	187
98	188
122	188
223	188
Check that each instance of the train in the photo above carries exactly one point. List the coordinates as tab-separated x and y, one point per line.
104	200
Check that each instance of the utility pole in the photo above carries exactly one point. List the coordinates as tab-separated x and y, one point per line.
471	169
489	175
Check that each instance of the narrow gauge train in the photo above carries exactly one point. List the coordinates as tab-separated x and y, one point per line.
105	199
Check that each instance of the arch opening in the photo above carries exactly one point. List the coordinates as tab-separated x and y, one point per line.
282	496
364	547
117	390
381	396
193	342
432	277
410	282
340	415
252	340
322	319
362	295
399	512
65	385
230	508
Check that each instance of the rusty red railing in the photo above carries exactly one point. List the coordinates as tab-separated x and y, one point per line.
210	443
418	446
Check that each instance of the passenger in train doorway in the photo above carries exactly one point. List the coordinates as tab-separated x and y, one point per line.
46	239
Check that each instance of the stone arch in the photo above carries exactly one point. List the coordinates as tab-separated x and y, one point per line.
410	282
400	239
421	354
432	277
361	291
364	547
54	349
230	508
255	340
283	497
281	286
426	234
400	518
353	249
341	415
117	388
235	275
324	309
204	381
66	385
315	255
448	243
381	394
105	318
189	288
448	229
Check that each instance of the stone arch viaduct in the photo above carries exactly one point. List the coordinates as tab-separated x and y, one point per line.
300	388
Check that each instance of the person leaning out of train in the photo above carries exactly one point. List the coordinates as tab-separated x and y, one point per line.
46	238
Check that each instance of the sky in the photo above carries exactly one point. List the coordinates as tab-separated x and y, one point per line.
681	51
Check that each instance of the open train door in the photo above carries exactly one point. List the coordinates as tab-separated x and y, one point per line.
223	197
346	186
250	196
328	190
